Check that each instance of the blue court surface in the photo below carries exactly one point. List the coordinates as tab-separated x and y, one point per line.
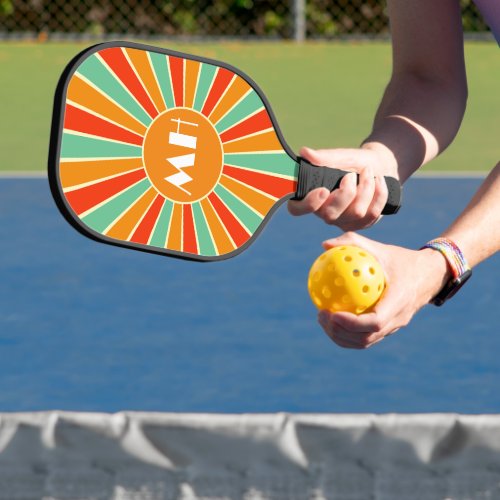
91	327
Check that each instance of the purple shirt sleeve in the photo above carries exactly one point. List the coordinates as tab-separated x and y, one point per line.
490	9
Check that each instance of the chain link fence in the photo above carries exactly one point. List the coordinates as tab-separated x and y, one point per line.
283	19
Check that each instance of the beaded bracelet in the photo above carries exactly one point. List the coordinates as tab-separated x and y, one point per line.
452	254
460	269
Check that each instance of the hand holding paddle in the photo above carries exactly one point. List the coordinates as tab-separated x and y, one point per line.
360	199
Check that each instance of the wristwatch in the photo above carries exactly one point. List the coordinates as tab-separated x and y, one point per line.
460	270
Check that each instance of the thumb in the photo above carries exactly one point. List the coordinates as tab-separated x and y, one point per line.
338	157
349	238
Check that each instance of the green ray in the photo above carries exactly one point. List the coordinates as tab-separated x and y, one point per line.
95	71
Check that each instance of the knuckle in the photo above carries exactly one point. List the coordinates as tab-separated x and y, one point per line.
331	219
373	213
358	211
350	190
295	207
329	215
365	343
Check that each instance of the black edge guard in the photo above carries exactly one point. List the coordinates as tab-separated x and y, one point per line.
311	177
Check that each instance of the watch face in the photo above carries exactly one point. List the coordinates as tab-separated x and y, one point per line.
451	288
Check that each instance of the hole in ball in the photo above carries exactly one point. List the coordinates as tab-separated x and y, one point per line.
346	299
317	301
356	273
366	289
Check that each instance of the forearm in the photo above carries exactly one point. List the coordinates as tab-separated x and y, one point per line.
416	120
477	230
424	103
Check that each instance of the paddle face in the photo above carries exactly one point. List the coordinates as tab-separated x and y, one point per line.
164	152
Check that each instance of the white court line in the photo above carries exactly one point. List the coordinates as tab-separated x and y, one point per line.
455	174
23	174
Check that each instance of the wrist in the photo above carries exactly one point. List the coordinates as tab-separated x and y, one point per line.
386	157
437	272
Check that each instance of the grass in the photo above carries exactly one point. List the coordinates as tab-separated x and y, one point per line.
323	95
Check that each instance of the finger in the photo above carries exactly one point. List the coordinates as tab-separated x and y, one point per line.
342	340
362	324
348	238
338	334
338	201
311	203
344	344
374	342
385	318
358	209
362	340
347	338
380	195
353	341
338	157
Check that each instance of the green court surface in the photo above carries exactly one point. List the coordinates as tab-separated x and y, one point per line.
323	95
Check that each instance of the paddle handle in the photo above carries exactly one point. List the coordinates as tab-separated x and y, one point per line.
311	177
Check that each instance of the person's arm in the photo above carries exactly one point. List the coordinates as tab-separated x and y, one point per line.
419	114
424	103
477	230
414	277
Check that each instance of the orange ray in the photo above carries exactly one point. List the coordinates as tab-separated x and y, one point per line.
74	173
221	239
237	90
142	66
266	141
122	228
174	240
258	201
191	79
83	94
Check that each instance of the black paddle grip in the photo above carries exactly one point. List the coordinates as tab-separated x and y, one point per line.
312	177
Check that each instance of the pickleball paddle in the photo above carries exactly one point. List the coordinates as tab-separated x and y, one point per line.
170	153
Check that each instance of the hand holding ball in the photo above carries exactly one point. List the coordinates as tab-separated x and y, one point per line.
346	278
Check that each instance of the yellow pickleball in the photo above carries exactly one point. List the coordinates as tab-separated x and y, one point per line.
346	278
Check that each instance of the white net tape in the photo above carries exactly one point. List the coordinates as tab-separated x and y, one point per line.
160	456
